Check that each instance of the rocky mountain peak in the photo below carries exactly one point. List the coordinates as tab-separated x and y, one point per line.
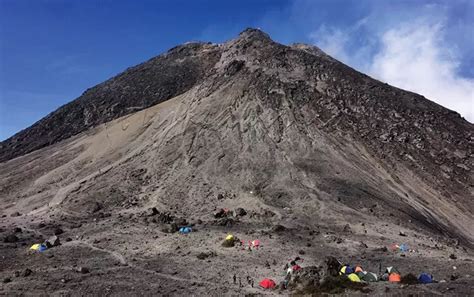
254	34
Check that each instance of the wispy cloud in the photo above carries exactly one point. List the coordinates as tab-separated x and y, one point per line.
333	41
412	55
416	57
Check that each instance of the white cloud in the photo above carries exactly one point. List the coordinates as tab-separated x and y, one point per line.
416	57
413	56
332	41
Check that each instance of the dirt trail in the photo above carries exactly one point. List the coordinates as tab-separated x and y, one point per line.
119	257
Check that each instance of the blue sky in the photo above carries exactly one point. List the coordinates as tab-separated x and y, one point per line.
52	50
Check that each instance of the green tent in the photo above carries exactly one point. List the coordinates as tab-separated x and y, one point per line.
391	269
361	274
370	277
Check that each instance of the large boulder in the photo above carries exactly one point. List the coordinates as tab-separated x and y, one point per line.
333	266
165	217
12	238
181	222
226	222
170	228
305	279
152	212
52	241
83	270
239	212
58	231
221	213
27	272
278	228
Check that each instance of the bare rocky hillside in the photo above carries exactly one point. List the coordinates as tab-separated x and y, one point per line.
323	161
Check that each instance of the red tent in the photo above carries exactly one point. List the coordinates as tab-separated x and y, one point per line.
256	243
267	284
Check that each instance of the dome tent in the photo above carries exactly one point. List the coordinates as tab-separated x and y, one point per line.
425	278
354	278
370	277
394	277
267	283
346	269
229	241
185	230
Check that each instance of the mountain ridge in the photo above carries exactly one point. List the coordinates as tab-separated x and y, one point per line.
18	144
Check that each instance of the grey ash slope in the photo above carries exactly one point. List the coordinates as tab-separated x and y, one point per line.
295	137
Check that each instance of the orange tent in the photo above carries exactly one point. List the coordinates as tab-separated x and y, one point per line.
394	278
267	283
358	269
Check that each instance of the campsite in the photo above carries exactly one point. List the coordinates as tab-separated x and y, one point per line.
89	252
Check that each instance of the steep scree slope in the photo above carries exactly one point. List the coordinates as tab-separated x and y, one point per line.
278	97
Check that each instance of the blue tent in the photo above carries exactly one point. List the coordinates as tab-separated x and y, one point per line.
425	278
185	230
346	269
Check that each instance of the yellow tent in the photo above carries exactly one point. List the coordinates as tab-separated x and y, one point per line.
229	241
354	278
343	270
35	247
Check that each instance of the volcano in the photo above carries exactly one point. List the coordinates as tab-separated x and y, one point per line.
270	142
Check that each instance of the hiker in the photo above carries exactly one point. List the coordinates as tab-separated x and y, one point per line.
235	279
284	284
292	263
